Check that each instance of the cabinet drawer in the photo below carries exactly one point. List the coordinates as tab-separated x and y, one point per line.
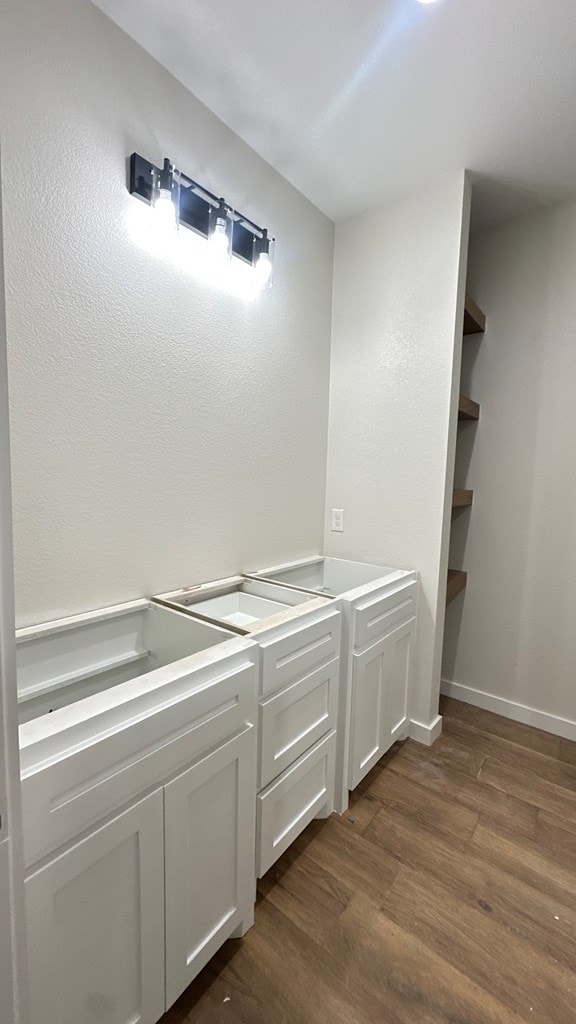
292	801
291	656
294	719
375	616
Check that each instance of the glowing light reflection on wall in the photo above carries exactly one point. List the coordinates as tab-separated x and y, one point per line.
192	254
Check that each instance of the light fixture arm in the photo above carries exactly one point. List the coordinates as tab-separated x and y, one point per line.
219	214
166	176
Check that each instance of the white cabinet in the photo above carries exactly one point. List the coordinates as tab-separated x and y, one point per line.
299	688
380	680
112	939
374	685
121	922
298	715
210	885
95	917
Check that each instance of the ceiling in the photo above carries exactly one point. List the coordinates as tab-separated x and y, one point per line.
357	101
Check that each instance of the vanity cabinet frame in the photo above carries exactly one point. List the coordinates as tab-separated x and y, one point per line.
369	613
299	682
110	785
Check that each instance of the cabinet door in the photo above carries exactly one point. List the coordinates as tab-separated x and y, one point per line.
380	679
95	917
395	703
367	713
210	857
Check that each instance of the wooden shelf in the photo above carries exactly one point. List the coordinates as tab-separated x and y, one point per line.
460	498
456	582
474	319
467	409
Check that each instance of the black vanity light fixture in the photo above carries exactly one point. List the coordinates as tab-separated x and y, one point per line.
179	200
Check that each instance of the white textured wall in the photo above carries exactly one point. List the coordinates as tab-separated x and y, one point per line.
163	432
12	944
512	634
398	289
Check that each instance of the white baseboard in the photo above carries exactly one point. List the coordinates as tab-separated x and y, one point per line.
426	734
564	727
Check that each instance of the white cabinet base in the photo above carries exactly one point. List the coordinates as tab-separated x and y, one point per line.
374	600
111	939
245	924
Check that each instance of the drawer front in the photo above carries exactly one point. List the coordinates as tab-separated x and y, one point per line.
375	616
82	785
294	719
302	649
292	801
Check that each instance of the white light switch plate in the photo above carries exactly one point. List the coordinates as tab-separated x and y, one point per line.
338	520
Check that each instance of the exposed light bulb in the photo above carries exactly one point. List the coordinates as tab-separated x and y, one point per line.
218	241
165	206
263	269
165	211
264	260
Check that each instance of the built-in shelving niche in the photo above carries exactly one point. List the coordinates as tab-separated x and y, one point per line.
468	410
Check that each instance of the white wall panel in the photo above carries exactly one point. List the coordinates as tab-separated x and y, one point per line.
396	339
163	432
12	958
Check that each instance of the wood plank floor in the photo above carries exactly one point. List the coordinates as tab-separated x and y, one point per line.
446	895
